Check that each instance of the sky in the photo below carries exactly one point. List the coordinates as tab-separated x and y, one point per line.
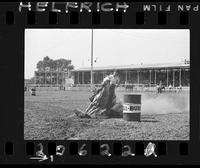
110	46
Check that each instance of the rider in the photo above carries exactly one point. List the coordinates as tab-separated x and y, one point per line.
103	100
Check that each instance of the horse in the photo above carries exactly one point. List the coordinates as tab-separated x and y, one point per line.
102	103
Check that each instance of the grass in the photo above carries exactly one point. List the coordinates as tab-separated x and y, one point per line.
49	116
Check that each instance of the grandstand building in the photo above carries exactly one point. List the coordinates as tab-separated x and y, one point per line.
174	74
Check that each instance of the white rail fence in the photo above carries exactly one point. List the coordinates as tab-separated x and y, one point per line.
122	87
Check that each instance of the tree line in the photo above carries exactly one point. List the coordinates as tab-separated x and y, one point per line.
48	64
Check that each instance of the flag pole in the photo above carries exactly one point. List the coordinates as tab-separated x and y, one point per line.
91	74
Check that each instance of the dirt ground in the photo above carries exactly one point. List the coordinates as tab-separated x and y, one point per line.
49	116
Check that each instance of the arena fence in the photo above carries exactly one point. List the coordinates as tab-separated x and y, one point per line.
121	87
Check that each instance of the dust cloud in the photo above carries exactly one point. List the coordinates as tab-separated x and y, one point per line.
165	103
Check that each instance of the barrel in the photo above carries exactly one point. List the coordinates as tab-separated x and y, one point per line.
33	92
132	107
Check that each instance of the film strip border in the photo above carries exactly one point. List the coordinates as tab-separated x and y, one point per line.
84	149
64	152
124	14
74	18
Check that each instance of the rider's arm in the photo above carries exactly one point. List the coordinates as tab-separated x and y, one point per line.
105	80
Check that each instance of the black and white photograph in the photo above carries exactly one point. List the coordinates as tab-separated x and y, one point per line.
107	84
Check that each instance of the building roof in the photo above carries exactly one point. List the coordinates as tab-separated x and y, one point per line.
132	66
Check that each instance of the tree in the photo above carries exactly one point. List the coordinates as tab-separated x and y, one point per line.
32	80
59	64
45	63
62	64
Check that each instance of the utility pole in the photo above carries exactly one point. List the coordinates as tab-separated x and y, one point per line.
91	74
57	74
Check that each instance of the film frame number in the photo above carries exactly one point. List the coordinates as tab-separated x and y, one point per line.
82	151
127	151
106	150
41	156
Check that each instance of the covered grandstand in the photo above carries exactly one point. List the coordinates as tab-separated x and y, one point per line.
174	74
